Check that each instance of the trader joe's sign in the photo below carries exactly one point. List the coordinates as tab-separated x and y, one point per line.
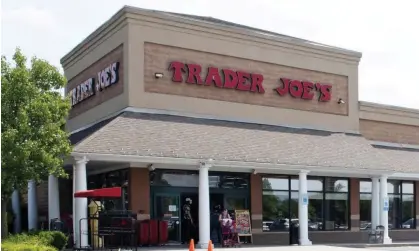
105	78
246	81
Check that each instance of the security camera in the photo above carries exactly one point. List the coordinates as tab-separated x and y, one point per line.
151	167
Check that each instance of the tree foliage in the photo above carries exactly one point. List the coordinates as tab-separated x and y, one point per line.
33	116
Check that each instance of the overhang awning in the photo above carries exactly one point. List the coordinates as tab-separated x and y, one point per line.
141	135
112	192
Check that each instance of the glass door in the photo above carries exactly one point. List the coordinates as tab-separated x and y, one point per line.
167	207
235	202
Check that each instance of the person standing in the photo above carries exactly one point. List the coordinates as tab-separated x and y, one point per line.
187	221
215	223
224	217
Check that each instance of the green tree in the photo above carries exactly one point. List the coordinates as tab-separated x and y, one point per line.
271	203
33	116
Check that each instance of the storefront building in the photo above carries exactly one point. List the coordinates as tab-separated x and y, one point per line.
181	106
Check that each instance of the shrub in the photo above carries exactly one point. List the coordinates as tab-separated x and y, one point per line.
55	238
50	239
11	246
24	239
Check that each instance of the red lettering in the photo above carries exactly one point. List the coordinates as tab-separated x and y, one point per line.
194	71
307	88
177	68
230	79
213	76
243	81
318	86
257	80
325	93
296	89
283	90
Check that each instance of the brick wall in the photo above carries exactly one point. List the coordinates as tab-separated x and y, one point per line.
256	208
354	203
158	58
389	132
139	190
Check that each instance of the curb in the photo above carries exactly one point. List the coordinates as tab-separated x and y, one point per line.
416	244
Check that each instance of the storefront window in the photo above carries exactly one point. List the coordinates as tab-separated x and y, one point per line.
174	178
365	196
336	211
401	214
328	203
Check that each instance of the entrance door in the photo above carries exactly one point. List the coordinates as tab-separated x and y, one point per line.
235	202
167	207
194	231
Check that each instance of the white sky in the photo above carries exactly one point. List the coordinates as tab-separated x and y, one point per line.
386	32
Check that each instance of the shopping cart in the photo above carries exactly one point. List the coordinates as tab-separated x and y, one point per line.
229	234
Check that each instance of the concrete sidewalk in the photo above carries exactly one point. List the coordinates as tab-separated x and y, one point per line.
292	248
401	246
344	247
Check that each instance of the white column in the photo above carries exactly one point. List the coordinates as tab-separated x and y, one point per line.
32	206
81	230
380	209
204	205
53	199
17	224
303	209
384	213
375	204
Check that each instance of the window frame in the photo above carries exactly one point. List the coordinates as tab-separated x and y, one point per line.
323	192
400	196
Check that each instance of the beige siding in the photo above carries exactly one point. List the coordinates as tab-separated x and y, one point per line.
389	132
159	57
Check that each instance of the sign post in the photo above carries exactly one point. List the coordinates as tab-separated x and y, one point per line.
386	204
304	199
243	224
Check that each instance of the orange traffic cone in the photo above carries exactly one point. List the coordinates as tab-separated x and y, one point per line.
192	245
210	248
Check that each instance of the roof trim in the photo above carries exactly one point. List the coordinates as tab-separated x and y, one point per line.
202	116
240	29
404	176
233	164
394	145
388	109
388	113
237	26
92	36
199	21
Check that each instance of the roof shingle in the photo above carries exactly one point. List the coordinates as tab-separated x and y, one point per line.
156	135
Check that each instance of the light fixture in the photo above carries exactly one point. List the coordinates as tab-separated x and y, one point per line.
254	171
158	75
151	167
340	101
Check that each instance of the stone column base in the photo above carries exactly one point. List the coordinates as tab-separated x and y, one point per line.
306	242
387	240
203	245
